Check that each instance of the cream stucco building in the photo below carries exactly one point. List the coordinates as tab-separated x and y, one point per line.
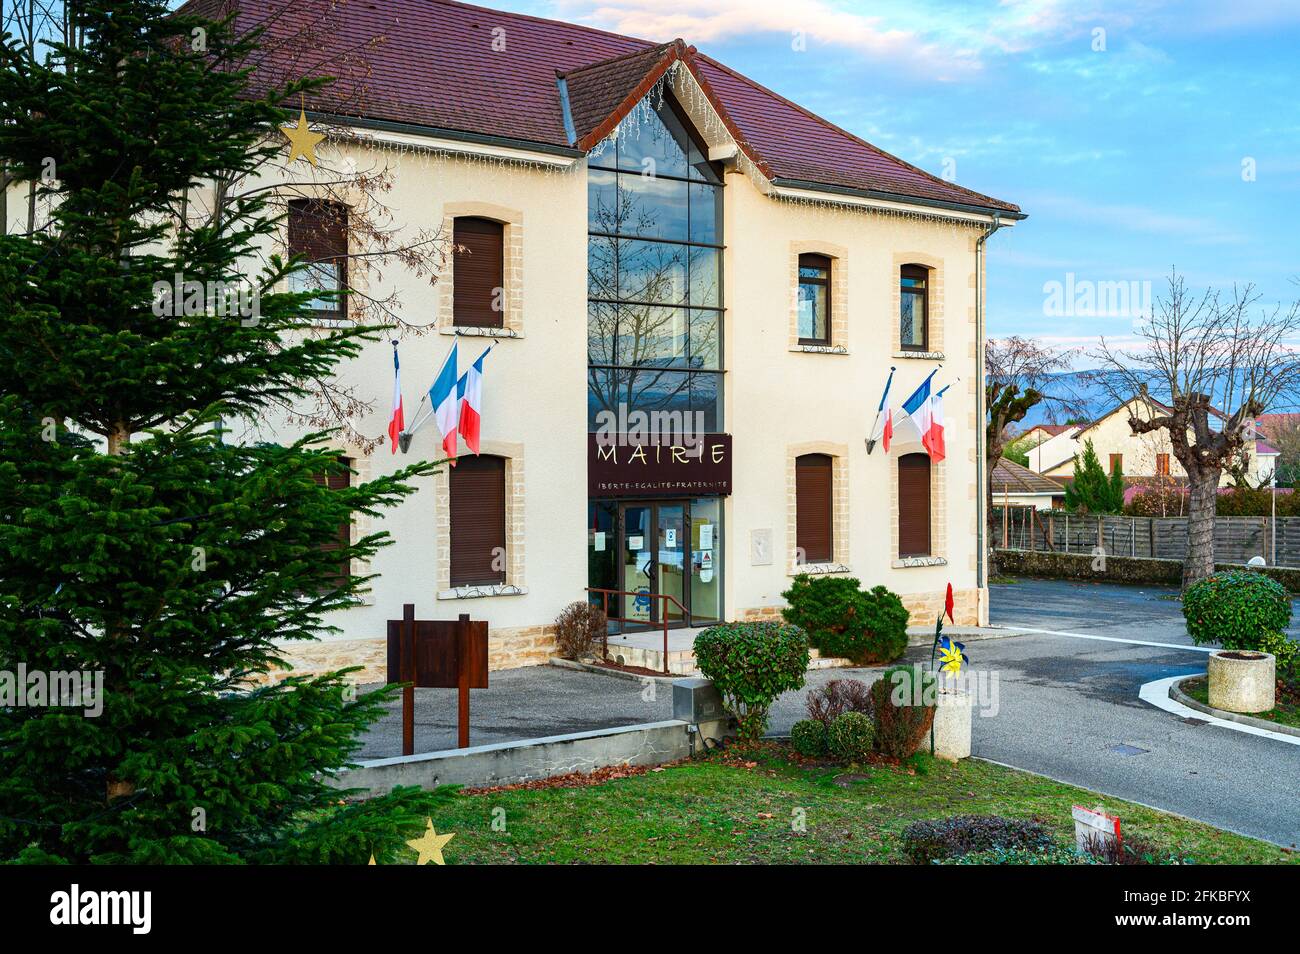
639	229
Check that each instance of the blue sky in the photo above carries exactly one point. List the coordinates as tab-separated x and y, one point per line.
1128	159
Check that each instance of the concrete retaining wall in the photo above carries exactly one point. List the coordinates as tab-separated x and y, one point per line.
505	763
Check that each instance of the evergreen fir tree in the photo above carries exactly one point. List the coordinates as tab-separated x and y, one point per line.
1091	490
133	539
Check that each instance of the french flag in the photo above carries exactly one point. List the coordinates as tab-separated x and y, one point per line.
920	409
935	442
470	389
446	404
396	423
883	429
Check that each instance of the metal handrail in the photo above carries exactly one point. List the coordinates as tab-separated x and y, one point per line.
604	605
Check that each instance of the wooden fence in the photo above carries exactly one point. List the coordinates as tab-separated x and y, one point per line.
1236	539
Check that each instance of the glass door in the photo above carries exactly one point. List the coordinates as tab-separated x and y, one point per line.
637	564
671	561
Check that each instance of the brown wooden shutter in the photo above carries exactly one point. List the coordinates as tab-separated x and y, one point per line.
479	272
914	505
813	508
478	520
337	482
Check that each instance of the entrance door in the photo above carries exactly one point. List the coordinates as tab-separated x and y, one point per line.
672	563
648	548
637	572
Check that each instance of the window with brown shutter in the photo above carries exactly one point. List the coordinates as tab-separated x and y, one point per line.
914	505
478	521
478	279
813	517
1162	464
318	231
1116	462
337	482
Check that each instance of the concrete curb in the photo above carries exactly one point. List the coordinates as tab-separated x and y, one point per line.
1157	694
617	674
916	637
1176	693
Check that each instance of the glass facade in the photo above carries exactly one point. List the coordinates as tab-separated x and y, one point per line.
654	278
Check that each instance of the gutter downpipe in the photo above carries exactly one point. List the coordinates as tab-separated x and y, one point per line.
981	562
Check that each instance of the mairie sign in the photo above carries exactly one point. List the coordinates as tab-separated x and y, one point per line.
622	467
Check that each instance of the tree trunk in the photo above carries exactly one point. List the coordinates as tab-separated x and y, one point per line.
1203	493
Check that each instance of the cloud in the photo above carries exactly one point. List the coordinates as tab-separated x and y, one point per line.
949	41
1194	230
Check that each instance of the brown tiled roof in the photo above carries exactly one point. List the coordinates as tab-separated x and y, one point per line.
435	64
1011	478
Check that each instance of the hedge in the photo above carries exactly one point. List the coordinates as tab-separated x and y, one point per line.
1078	566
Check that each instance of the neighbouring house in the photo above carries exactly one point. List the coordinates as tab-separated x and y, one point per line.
1138	456
648	236
1049	444
1017	486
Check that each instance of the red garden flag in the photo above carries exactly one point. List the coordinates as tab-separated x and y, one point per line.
947	604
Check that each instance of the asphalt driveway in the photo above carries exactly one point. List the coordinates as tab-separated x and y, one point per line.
1070	709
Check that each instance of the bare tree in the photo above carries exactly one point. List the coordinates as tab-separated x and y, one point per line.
1218	362
1019	374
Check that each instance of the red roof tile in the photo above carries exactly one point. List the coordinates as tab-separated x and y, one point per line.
432	63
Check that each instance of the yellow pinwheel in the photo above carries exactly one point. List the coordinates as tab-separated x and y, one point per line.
951	656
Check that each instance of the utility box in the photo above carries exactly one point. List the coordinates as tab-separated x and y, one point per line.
696	700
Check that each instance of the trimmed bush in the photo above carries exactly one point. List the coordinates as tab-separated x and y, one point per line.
844	621
827	703
928	841
1237	610
577	629
751	664
901	723
850	737
808	736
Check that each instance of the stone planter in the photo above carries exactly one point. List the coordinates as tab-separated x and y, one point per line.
1242	681
952	722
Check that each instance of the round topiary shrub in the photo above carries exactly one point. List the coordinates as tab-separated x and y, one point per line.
850	737
808	736
751	664
844	621
1237	610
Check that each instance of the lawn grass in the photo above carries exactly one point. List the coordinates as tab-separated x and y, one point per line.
1285	713
722	810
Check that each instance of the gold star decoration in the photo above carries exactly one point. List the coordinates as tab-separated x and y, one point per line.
302	141
430	845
